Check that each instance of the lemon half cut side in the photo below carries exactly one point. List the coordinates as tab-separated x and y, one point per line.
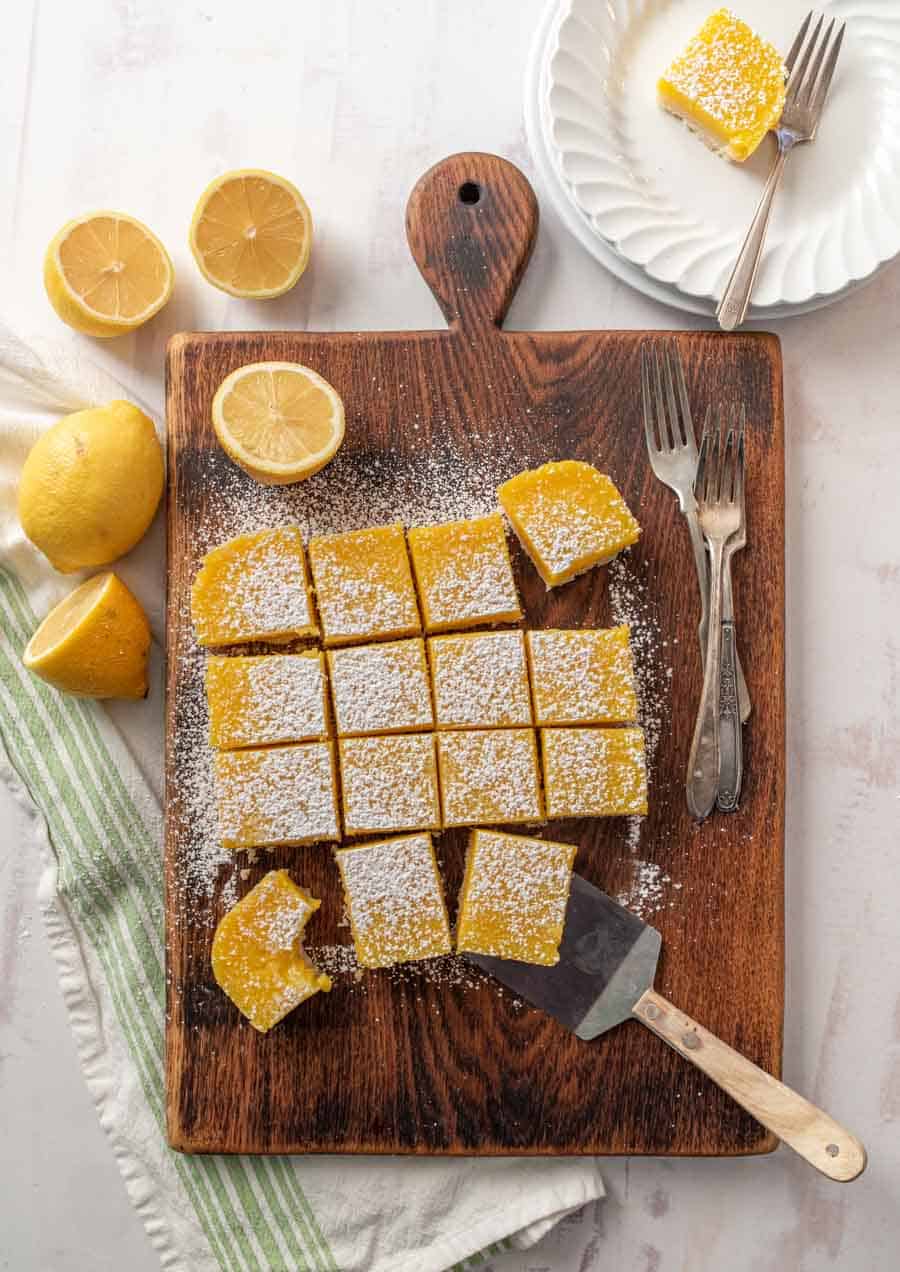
280	421
251	234
94	643
106	274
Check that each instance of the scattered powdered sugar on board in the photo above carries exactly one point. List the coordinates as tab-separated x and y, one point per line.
205	864
631	603
447	971
359	490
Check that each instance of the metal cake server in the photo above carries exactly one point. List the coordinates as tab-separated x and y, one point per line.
607	961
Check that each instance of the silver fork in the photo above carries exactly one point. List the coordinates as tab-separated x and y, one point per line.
672	450
807	87
731	749
719	491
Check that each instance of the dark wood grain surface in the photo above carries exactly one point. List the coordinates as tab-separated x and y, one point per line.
416	1064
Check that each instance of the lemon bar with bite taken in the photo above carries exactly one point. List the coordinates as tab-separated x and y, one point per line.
463	573
276	795
568	517
514	897
489	775
594	772
257	955
381	688
264	700
480	680
389	783
254	587
395	901
582	677
728	85
364	586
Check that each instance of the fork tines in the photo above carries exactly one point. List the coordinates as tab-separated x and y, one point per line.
667	412
720	467
810	78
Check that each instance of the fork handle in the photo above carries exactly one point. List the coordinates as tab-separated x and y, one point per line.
731	751
702	782
735	300
701	564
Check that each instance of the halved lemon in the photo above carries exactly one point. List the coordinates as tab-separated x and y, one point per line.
106	274
280	421
94	643
251	233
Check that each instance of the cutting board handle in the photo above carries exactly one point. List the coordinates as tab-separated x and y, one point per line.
471	222
809	1131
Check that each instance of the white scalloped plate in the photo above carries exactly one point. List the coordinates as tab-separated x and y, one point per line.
667	205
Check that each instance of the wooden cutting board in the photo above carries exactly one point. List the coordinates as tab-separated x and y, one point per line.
415	1063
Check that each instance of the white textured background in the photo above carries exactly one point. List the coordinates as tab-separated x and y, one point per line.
135	104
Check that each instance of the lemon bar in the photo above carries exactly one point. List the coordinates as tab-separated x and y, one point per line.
514	897
381	688
489	775
276	795
480	680
254	587
568	518
389	784
463	573
582	677
364	586
257	955
728	85
265	700
594	772
395	901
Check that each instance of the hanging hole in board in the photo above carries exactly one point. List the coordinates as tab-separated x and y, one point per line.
469	192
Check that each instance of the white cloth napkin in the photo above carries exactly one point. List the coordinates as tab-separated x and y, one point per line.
92	777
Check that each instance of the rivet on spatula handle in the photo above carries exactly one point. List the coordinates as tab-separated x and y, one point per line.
806	1129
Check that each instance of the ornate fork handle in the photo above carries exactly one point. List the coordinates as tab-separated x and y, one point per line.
701	564
736	297
704	763
731	755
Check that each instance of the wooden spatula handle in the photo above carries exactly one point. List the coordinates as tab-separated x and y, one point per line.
471	222
810	1132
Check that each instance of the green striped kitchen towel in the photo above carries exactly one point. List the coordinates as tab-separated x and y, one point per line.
94	773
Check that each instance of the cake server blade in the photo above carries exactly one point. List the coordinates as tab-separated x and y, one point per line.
607	961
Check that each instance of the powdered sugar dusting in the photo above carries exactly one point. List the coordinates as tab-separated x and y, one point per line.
363	489
253	587
277	795
380	688
480	680
389	783
463	572
489	776
582	677
631	603
396	901
364	585
514	898
281	697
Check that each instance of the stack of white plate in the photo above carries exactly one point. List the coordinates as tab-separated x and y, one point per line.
665	214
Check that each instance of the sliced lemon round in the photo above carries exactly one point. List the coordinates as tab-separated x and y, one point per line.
251	233
106	274
94	643
280	421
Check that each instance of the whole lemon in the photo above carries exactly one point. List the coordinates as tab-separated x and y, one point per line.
90	486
